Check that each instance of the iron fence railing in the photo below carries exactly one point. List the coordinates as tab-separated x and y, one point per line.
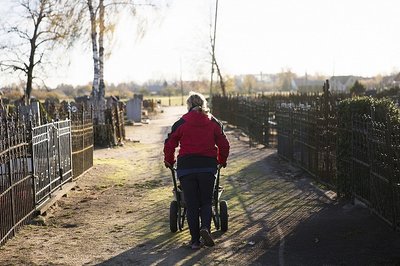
256	117
82	140
307	139
358	159
16	180
36	161
51	158
375	170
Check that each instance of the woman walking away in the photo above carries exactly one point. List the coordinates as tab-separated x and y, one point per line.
203	146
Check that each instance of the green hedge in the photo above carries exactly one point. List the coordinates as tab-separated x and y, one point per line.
380	110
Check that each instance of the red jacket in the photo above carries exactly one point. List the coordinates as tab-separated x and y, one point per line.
197	134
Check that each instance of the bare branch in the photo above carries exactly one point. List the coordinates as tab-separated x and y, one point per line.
128	4
40	59
12	65
20	33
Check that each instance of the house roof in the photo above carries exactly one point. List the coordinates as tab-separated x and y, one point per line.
308	82
341	79
397	78
388	79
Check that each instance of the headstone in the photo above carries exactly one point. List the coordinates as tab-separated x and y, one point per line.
30	112
134	108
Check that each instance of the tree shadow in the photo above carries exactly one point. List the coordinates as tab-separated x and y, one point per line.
248	192
276	217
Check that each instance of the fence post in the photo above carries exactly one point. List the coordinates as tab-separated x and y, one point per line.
325	112
351	174
368	120
83	138
30	141
13	209
317	139
291	140
391	155
60	169
48	159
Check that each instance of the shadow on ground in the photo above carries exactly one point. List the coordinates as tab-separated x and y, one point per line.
276	217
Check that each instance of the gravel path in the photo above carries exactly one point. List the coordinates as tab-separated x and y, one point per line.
118	214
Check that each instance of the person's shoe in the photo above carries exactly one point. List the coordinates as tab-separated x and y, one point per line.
208	241
195	245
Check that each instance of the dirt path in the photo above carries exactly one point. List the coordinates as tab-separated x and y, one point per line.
118	214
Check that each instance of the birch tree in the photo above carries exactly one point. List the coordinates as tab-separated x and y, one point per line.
29	36
103	17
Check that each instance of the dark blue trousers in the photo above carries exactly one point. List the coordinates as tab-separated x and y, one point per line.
198	192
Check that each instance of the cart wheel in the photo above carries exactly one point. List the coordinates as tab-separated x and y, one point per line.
216	216
223	210
173	216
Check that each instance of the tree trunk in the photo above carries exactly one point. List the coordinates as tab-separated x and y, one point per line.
29	72
101	50
29	81
31	64
95	86
221	80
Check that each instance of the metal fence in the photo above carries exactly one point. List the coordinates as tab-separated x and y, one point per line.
256	117
362	163
375	168
307	138
358	159
36	161
51	158
16	179
82	140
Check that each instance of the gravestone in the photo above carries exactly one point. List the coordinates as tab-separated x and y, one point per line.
30	112
134	108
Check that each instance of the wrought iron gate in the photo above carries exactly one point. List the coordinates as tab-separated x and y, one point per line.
52	158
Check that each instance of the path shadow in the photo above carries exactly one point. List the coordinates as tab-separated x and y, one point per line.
277	217
339	234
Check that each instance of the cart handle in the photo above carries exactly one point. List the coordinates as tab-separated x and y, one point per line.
174	177
217	181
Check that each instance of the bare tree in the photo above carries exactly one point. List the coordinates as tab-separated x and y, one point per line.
213	58
31	34
103	16
285	79
220	78
249	84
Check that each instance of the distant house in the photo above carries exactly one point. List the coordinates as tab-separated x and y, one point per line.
155	87
370	84
396	81
304	84
342	83
387	82
261	78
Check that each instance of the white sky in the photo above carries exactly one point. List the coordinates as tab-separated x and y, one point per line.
352	37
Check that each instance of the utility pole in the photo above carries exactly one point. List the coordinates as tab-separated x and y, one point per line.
213	47
181	80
